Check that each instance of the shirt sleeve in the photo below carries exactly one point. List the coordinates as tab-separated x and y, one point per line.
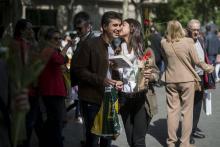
194	56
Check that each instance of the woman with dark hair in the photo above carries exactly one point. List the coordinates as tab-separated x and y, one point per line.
52	88
133	101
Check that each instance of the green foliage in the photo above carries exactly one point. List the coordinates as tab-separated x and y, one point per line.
184	10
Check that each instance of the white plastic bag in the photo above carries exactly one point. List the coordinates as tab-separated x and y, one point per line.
207	102
74	93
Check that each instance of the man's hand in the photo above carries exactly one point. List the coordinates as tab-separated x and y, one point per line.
113	65
210	68
119	85
108	82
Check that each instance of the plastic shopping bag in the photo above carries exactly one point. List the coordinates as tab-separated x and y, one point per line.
106	122
207	103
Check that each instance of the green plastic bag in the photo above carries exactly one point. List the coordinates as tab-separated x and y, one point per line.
106	122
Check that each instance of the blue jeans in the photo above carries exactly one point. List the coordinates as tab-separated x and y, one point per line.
89	112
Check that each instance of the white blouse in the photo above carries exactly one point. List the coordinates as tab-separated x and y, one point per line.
128	75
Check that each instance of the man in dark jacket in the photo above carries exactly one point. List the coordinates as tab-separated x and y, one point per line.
91	68
82	25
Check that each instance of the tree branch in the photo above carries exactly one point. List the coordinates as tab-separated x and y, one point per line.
136	3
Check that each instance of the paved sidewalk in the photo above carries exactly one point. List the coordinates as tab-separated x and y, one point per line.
156	136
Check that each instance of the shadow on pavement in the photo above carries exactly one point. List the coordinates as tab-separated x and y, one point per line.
158	130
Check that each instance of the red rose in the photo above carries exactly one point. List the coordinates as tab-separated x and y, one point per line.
146	56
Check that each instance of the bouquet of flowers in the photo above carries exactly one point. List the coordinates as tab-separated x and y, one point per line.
21	76
144	62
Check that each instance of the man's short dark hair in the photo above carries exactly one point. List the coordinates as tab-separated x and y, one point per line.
107	16
81	17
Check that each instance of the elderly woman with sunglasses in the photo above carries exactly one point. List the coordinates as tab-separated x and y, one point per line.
52	88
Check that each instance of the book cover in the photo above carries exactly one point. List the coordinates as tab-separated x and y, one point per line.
121	61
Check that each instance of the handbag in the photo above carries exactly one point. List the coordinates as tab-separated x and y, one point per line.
151	102
209	80
197	84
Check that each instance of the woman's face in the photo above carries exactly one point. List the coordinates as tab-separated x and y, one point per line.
28	32
56	40
125	31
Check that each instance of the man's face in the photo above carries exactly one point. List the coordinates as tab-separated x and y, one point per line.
194	29
82	29
113	29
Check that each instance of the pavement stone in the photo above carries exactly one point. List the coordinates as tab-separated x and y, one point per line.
156	136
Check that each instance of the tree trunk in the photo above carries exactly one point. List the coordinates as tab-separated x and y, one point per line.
125	9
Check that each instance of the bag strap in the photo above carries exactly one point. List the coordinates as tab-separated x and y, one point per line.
195	78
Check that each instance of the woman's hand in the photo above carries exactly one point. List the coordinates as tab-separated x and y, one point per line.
21	101
148	74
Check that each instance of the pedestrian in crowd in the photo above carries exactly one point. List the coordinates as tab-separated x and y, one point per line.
42	43
91	68
217	66
193	29
180	57
212	43
25	44
83	26
66	39
133	102
52	88
9	105
155	39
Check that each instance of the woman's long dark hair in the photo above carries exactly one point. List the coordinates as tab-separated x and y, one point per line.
21	25
136	40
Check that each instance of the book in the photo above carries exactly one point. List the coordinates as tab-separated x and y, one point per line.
121	61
